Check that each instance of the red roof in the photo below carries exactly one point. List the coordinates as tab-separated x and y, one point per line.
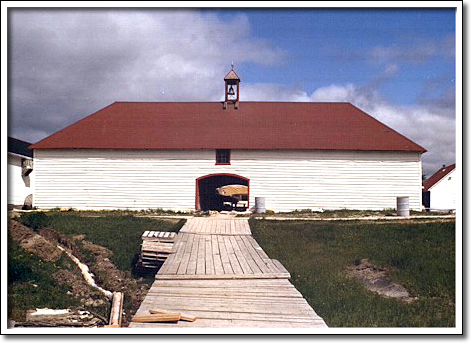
207	125
440	174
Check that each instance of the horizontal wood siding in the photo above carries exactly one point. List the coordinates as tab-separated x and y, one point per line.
141	179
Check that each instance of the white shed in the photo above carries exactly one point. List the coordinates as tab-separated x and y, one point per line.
174	155
20	171
439	189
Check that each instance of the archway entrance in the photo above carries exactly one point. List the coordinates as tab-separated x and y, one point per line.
218	192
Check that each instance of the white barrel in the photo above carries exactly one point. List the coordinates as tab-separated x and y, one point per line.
402	206
260	205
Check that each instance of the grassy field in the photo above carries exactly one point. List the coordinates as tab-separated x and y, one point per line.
419	256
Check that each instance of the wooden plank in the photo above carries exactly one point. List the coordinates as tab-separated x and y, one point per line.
216	228
268	262
259	291
257	247
255	256
215	323
280	267
177	257
232	257
252	316
240	256
197	225
191	268
295	304
183	316
186	256
145	234
226	264
209	267
288	296
224	283
227	275
247	230
230	306
163	269
218	269
237	226
162	317
200	263
253	266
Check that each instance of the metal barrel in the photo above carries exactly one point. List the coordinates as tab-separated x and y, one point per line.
402	206
260	205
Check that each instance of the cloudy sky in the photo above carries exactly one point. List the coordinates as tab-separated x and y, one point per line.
396	64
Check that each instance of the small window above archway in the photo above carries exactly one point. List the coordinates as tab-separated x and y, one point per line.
223	156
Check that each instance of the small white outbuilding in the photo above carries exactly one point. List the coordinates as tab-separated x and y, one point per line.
440	188
175	155
20	172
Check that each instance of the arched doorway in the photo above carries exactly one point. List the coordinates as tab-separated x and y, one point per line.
208	195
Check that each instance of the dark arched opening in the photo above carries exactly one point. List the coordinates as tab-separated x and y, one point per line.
209	198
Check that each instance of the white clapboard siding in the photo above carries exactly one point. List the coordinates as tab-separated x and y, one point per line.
442	194
19	186
288	179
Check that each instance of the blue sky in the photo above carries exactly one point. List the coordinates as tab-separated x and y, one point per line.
330	46
398	65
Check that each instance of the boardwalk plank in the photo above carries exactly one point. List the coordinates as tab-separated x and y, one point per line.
255	256
240	256
191	268
226	264
200	264
253	266
232	257
216	255
209	267
186	256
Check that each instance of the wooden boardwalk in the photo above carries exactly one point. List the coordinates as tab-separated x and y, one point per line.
220	274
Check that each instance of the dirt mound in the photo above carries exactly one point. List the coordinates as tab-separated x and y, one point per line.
98	259
376	280
33	242
115	280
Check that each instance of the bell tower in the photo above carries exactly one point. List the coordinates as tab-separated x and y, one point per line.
231	93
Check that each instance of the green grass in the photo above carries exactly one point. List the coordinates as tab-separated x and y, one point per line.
119	233
30	283
344	213
419	256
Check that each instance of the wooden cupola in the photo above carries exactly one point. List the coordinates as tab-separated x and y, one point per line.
231	92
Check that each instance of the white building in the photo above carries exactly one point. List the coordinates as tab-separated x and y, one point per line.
439	189
173	155
20	172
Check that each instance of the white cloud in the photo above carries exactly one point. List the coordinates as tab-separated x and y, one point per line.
418	52
425	125
66	64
